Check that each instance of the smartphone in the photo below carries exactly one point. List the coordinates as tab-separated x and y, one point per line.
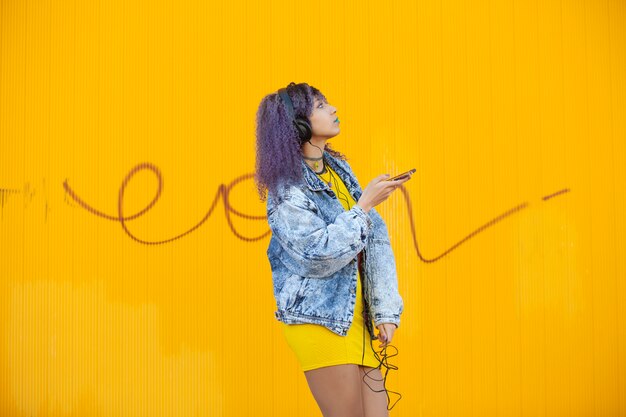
400	176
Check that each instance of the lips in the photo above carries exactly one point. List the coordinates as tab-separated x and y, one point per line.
337	120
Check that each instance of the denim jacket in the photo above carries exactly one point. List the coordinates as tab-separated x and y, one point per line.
313	255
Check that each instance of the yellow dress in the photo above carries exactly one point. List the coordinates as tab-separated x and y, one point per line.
316	346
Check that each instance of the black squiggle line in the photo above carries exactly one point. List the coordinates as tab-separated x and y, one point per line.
224	191
474	233
549	196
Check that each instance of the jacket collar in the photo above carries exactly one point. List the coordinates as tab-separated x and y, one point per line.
310	177
314	183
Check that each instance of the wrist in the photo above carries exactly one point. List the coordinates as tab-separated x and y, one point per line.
364	207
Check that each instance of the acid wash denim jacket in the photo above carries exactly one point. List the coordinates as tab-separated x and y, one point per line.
313	255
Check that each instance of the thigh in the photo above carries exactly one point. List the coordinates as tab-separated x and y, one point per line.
337	390
374	403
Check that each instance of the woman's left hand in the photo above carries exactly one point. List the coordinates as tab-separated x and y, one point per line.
385	333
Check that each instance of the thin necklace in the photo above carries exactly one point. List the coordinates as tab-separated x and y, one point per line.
313	159
316	165
324	171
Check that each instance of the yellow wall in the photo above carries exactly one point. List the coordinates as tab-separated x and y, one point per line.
497	104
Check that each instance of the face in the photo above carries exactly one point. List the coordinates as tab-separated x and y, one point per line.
324	121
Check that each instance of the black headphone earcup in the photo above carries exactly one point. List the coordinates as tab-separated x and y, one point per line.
304	129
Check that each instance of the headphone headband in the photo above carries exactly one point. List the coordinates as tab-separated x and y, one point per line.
302	125
288	104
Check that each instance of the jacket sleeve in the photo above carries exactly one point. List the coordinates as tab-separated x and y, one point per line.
386	302
315	249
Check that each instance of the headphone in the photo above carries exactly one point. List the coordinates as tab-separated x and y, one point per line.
301	124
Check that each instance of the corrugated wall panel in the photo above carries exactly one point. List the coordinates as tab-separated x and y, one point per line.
509	239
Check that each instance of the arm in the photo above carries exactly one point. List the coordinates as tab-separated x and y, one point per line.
315	249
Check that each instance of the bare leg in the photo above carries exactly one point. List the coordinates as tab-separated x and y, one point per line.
337	390
374	403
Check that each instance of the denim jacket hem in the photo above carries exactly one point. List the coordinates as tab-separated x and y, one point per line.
339	327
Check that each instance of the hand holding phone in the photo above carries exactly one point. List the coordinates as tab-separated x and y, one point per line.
401	176
379	189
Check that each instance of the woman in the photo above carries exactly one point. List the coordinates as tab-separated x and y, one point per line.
332	264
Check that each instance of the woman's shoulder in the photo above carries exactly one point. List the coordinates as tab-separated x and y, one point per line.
287	192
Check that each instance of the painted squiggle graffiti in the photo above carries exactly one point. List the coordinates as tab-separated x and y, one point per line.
223	193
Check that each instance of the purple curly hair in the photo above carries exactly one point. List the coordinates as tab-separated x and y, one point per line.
278	149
